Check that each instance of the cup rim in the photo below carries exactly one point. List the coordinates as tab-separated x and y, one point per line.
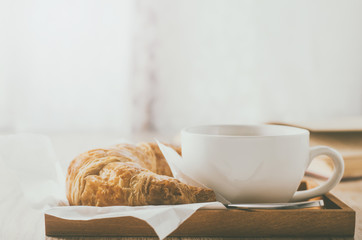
294	131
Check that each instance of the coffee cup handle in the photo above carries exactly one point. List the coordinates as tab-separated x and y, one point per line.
331	182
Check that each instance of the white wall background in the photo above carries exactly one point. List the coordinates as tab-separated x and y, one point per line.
246	61
141	65
65	65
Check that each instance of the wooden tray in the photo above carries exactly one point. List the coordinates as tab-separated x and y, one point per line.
336	219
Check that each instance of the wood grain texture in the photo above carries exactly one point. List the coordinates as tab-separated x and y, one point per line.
349	192
336	220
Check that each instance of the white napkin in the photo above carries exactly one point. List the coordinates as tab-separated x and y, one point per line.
32	159
182	172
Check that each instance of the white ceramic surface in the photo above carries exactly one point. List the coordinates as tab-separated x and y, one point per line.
255	163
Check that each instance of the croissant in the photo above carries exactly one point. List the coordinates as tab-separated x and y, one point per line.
127	174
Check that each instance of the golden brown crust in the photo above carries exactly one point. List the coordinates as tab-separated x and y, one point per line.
159	165
128	175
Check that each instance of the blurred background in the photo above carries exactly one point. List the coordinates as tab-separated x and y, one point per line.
126	67
91	73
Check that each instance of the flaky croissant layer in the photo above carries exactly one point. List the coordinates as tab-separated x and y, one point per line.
130	175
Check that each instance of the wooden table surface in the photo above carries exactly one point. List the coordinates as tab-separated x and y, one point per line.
18	220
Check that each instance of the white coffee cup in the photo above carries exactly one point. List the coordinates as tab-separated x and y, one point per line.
255	163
